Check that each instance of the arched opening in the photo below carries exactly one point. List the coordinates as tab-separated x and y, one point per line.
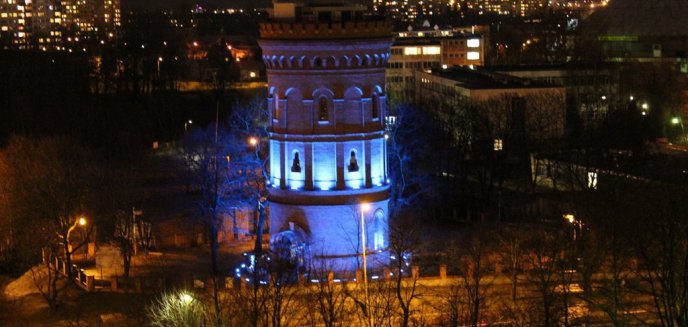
375	106
379	231
296	163
323	109
353	162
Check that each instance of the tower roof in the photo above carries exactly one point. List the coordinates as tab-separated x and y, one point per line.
641	18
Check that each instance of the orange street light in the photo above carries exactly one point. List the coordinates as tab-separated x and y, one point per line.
253	141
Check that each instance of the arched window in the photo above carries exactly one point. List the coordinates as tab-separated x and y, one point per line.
353	163
379	236
376	106
275	108
296	163
323	110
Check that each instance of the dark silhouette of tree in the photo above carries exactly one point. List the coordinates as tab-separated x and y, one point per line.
53	183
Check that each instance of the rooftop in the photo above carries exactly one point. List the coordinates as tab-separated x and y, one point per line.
475	79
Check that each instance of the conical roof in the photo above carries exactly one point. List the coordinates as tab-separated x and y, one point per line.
641	18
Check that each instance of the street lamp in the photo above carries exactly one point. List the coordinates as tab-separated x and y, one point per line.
253	141
186	124
159	61
79	222
185	298
365	207
577	224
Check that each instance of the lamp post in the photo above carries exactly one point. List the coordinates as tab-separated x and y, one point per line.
365	207
577	225
186	125
79	222
159	61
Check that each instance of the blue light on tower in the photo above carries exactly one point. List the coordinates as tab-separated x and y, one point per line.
327	134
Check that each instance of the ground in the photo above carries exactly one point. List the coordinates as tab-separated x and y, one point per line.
21	304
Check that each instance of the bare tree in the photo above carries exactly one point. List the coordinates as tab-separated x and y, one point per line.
53	187
544	274
329	297
404	243
226	170
124	235
471	252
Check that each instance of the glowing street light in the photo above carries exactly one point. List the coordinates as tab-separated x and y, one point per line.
253	141
577	224
159	61
675	121
186	125
81	221
185	298
645	106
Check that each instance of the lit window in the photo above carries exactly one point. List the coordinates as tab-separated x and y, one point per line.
411	51
498	145
592	180
473	55
323	114
431	50
473	43
391	120
275	111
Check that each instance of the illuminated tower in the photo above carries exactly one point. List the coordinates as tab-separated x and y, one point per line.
326	78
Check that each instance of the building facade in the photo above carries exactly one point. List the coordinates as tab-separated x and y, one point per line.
508	105
57	24
423	50
326	79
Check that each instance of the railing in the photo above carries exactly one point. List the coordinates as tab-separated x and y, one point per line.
79	275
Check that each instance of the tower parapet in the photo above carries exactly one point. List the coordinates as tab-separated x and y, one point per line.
326	30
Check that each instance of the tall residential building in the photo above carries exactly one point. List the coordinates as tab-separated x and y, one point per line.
325	65
57	24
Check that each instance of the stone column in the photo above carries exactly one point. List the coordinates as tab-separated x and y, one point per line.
283	174
340	166
308	165
366	149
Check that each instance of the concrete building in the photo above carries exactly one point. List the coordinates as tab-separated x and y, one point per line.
325	66
507	104
425	49
590	89
57	24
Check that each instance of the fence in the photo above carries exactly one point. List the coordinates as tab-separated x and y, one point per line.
79	275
